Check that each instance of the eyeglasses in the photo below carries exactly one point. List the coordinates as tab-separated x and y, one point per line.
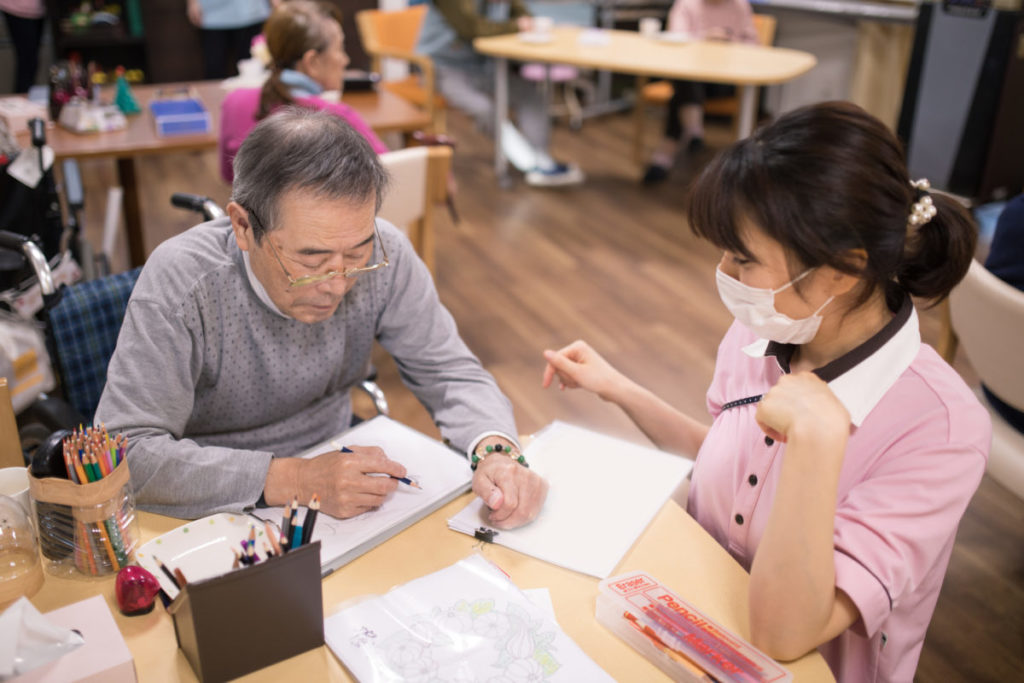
305	280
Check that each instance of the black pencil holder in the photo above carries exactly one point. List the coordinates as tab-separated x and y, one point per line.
250	618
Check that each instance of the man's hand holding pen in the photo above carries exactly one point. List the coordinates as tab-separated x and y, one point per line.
513	492
344	481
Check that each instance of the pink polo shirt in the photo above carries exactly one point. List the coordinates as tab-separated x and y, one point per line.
238	118
917	450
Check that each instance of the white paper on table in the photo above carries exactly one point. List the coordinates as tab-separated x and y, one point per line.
603	493
442	473
467	622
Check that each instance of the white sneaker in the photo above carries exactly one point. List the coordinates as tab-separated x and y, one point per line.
556	176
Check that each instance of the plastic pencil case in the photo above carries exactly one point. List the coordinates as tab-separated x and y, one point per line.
251	617
676	637
90	529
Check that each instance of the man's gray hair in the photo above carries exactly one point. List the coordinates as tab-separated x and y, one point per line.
306	150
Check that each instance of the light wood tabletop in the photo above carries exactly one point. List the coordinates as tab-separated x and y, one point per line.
745	66
630	53
674	549
383	111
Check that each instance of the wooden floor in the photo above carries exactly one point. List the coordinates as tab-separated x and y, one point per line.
615	264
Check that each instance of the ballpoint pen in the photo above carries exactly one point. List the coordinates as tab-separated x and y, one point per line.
405	480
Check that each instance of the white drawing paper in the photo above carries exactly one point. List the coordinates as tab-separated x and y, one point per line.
442	473
603	493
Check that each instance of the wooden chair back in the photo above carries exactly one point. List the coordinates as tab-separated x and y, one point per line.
393	35
10	444
987	316
419	180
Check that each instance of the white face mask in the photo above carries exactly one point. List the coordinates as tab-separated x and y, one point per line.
755	308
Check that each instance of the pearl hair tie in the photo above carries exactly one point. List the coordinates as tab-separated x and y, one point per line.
923	210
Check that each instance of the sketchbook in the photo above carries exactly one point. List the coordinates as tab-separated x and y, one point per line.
467	622
442	473
603	493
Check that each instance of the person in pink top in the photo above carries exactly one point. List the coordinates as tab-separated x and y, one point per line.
306	45
842	451
728	20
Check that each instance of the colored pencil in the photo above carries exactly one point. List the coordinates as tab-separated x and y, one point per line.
286	523
310	521
180	576
272	537
167	572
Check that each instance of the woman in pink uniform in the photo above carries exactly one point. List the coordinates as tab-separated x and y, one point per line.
842	451
306	45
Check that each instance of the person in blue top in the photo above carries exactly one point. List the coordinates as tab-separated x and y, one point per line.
1006	261
227	29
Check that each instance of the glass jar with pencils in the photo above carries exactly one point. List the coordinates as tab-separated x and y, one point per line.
86	518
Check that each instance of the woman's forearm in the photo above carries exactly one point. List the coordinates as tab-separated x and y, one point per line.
669	429
794	604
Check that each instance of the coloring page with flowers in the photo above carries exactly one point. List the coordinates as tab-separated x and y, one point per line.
467	622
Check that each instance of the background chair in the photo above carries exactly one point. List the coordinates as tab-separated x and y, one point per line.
660	92
10	444
393	35
84	328
419	180
987	317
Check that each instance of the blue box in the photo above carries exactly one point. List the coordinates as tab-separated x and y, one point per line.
184	116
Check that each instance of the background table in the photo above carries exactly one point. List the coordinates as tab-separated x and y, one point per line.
383	111
674	549
745	66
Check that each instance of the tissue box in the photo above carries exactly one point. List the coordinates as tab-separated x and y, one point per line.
180	116
105	658
252	617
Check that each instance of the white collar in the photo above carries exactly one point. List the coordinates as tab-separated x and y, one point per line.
257	286
861	387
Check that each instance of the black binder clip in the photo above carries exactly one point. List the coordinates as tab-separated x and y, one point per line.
484	534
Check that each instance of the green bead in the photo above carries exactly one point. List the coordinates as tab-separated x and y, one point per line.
476	458
489	449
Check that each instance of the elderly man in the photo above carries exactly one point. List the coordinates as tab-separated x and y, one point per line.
244	336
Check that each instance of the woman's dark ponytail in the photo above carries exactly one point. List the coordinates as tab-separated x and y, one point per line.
936	255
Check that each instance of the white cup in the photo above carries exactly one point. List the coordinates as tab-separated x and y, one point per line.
543	25
650	27
14	484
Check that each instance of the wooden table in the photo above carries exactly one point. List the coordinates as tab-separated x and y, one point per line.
745	66
674	549
383	111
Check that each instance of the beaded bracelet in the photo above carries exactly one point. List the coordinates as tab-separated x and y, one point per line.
498	448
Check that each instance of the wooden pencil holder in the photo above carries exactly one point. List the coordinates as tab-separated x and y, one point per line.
250	618
88	529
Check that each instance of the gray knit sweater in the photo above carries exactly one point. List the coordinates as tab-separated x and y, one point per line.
209	383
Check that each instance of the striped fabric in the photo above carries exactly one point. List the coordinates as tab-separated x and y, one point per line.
85	325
